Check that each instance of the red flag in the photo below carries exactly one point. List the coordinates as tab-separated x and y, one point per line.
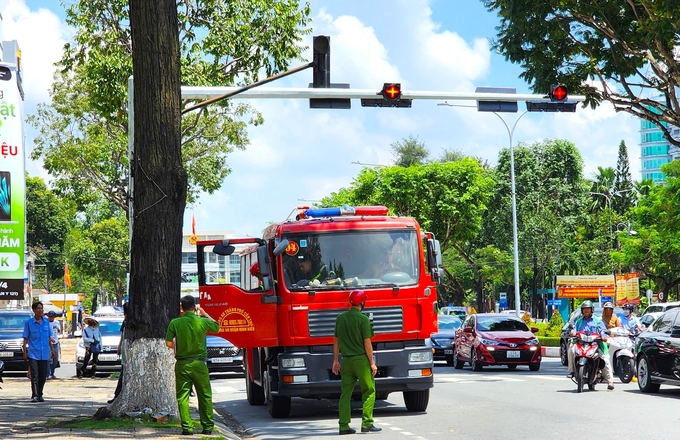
67	276
193	224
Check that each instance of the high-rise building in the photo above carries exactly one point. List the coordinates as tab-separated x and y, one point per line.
655	151
218	267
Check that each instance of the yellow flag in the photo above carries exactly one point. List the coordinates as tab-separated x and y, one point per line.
67	276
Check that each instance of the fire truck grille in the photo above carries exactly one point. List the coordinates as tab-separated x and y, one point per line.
383	319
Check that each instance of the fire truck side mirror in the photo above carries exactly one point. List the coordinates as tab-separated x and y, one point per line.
281	247
431	255
263	260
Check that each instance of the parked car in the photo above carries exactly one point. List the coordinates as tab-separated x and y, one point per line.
459	311
223	356
488	339
109	360
657	309
442	341
11	338
658	353
648	319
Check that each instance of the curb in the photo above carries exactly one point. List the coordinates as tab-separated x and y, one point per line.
551	352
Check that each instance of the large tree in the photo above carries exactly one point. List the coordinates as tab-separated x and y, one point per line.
624	52
83	131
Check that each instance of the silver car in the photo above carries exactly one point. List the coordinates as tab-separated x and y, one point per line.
109	360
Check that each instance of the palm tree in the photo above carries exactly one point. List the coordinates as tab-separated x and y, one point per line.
601	188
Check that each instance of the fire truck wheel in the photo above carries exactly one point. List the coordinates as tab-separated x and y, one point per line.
278	406
416	401
254	392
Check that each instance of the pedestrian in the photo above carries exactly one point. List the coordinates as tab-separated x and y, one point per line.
92	340
121	352
353	333
54	340
186	335
37	350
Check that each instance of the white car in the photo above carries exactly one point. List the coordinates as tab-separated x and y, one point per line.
109	360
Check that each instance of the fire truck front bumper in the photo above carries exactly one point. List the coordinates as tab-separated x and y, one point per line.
400	370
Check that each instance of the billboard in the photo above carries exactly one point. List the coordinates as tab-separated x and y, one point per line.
585	286
12	188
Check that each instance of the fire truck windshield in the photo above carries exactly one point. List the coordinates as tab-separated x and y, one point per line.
337	260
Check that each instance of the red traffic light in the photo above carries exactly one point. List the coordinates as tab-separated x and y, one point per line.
391	92
559	93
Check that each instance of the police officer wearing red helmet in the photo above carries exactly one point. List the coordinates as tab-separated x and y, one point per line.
353	333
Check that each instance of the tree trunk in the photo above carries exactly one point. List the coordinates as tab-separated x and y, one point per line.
159	198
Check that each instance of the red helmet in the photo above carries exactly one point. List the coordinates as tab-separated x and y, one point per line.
255	269
357	297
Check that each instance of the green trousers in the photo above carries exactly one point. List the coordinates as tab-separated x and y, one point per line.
188	373
352	369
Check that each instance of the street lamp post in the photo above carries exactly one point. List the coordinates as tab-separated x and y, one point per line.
515	247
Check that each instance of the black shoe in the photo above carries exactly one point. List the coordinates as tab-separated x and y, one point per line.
110	400
371	428
79	374
185	432
34	399
40	399
570	376
610	386
207	432
348	431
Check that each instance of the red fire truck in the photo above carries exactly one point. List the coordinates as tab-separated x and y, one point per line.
284	318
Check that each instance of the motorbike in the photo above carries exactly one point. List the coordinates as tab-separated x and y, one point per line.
621	353
588	360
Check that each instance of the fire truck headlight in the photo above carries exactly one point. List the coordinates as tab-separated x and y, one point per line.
420	356
292	362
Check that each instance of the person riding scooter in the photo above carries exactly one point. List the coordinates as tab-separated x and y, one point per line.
630	321
588	323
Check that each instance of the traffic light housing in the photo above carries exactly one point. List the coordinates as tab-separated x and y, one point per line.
321	78
558	93
391	97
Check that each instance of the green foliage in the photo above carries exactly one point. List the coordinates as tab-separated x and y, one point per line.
409	152
82	138
622	52
549	341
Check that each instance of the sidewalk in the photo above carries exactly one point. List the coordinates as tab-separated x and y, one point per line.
68	398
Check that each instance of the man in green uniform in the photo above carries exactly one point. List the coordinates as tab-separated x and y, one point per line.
353	333
186	335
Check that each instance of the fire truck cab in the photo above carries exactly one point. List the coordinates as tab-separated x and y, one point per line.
284	317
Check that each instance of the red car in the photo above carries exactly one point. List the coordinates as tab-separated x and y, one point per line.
496	339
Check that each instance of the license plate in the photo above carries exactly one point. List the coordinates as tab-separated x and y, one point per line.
448	351
513	354
108	357
226	360
6	354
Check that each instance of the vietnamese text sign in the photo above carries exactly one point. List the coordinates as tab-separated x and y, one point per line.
585	286
12	188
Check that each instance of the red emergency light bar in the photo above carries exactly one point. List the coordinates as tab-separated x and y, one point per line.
344	210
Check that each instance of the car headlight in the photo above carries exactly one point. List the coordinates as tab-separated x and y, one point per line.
420	356
487	341
532	341
292	362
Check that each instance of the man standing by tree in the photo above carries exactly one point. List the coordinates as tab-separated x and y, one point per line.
186	335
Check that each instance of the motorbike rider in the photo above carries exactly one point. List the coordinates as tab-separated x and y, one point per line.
589	323
630	321
608	317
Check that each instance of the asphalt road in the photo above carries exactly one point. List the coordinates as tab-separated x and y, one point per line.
493	404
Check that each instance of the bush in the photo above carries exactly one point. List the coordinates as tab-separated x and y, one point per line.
549	341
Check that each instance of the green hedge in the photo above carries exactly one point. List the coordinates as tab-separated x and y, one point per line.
549	341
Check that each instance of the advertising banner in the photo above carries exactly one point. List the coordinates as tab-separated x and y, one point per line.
632	288
12	188
585	286
620	289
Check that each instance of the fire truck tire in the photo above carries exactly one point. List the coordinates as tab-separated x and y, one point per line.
254	392
416	401
278	406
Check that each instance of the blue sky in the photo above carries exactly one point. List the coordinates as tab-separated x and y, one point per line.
298	153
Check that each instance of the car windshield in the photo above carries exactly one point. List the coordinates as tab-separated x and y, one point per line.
341	260
448	322
13	322
501	324
110	328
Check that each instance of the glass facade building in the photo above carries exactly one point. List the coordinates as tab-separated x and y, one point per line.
220	268
655	150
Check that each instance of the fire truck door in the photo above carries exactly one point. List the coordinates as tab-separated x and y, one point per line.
247	319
